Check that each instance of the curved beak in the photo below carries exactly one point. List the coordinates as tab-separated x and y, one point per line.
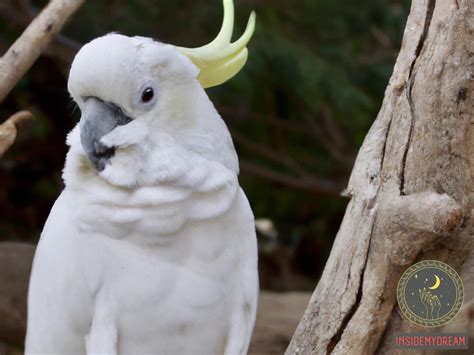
97	119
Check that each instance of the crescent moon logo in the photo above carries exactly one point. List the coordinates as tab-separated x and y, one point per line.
436	284
430	293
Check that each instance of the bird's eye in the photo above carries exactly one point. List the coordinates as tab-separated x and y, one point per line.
147	95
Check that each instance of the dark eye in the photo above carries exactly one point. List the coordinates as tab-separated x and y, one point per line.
147	95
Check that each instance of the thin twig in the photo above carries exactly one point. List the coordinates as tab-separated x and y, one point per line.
311	184
230	115
265	151
309	126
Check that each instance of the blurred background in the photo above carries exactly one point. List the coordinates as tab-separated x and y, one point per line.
298	112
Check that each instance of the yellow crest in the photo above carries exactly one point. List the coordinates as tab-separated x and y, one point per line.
220	60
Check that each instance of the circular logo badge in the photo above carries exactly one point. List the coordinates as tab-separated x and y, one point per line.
430	293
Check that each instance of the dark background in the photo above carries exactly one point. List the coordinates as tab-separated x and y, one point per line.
298	111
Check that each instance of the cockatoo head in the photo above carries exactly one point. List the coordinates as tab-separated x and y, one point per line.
144	111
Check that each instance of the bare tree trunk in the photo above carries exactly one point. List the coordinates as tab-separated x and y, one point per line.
411	190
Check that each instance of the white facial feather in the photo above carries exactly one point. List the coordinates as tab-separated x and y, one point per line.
178	142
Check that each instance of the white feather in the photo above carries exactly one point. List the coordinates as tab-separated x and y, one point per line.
157	253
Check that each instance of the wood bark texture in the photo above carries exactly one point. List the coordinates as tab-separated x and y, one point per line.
33	41
411	191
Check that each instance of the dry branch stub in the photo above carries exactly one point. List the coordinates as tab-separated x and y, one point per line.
411	188
8	129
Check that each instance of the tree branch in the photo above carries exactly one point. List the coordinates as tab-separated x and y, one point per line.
21	13
28	47
279	122
331	138
309	127
271	154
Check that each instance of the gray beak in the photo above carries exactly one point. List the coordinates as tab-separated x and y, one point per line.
97	119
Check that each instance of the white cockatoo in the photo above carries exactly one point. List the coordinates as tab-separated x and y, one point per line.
151	247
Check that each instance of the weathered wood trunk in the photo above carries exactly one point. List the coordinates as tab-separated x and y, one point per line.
411	190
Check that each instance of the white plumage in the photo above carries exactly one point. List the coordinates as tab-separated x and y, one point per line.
151	247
